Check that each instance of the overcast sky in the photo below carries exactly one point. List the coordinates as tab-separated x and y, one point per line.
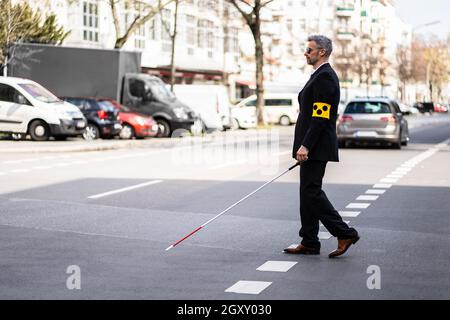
418	12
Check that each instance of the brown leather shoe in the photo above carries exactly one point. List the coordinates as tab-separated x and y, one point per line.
301	249
343	246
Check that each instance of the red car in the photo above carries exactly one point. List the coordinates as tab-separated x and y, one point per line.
440	107
133	124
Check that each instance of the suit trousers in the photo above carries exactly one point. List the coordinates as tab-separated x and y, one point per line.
315	207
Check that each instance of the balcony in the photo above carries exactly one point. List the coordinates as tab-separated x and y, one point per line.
345	35
345	11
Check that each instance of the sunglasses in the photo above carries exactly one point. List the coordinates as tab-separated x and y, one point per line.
309	50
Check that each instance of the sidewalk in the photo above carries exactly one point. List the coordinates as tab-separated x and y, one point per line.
71	145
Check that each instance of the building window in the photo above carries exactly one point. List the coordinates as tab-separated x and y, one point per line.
166	22
191	30
206	36
152	30
90	21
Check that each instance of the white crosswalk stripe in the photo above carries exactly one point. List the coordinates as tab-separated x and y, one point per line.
248	287
277	266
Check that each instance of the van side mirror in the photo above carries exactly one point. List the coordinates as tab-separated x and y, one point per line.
148	96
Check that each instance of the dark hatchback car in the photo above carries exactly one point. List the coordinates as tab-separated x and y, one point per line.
102	118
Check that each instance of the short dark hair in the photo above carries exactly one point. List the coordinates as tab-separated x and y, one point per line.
322	43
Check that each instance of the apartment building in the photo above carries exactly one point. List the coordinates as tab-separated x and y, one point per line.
214	45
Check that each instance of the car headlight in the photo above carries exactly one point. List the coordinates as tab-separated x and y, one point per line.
180	113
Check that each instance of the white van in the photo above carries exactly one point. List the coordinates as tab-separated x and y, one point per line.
279	108
210	101
28	108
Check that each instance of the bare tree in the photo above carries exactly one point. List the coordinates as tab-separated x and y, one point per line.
437	56
144	13
173	37
251	12
404	68
431	65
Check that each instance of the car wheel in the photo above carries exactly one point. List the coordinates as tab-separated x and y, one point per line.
285	121
91	132
164	128
235	124
127	132
39	131
398	143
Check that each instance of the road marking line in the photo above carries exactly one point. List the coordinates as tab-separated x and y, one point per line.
349	214
367	198
248	287
323	235
382	186
375	191
398	174
360	205
101	195
386	180
277	266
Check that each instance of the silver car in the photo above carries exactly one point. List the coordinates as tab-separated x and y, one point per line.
373	120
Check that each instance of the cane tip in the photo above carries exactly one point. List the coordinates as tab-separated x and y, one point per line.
169	248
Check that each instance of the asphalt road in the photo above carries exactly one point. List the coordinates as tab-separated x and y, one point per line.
112	213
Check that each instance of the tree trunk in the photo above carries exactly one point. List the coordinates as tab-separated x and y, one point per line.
172	59
5	66
259	56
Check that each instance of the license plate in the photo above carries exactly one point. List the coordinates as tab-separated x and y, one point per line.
81	124
366	134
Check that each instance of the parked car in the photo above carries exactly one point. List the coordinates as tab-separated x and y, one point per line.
133	124
102	118
26	107
373	120
424	107
210	102
440	107
243	117
408	110
279	108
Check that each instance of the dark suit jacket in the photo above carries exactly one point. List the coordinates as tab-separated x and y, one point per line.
316	123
